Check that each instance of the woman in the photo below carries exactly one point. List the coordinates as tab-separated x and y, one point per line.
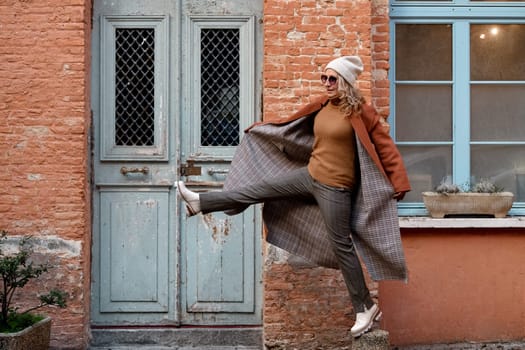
331	176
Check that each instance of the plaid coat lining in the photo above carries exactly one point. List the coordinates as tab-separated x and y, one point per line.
297	226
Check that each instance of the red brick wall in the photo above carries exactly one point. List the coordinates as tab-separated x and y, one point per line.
305	306
308	307
380	56
300	37
44	121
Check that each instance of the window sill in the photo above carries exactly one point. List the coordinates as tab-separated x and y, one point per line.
428	222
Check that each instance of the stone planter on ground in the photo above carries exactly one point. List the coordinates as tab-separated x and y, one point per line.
468	203
36	337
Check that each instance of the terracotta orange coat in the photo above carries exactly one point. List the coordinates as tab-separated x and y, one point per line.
374	135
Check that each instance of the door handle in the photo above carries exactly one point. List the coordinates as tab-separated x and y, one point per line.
125	171
213	171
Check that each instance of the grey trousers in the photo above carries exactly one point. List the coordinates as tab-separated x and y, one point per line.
335	205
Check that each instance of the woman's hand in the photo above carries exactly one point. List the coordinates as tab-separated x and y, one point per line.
399	195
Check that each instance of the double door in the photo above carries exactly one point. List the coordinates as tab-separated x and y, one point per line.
174	83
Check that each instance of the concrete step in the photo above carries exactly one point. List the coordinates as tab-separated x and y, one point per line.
246	338
149	347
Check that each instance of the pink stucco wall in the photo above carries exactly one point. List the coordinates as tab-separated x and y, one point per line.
464	285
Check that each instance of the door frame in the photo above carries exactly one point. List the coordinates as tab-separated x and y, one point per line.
173	119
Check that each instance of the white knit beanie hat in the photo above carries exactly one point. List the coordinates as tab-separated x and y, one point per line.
349	67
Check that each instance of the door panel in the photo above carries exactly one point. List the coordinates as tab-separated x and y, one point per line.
135	236
135	227
221	262
134	88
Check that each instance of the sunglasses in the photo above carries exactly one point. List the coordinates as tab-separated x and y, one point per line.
330	78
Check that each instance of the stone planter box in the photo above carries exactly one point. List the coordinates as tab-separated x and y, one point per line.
466	203
36	337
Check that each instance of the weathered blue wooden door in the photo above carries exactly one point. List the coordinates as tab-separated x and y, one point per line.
174	83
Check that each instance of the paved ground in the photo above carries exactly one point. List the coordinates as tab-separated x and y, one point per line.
463	346
466	346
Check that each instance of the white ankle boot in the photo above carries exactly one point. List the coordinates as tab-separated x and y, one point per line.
193	204
364	320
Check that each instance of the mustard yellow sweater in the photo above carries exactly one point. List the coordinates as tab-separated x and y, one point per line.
332	161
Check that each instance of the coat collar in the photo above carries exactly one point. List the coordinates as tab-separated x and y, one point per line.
310	108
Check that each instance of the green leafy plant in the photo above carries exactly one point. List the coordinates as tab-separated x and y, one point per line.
16	270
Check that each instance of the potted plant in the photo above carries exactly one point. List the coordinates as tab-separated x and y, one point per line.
482	198
23	329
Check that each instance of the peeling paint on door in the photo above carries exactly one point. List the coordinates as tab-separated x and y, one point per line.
220	228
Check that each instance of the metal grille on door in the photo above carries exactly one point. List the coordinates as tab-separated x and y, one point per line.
220	87
135	87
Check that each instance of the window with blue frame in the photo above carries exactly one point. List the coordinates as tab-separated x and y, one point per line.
458	94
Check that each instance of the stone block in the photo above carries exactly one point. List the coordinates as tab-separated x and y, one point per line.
377	339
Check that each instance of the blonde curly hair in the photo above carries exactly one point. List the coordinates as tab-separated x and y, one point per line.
350	98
